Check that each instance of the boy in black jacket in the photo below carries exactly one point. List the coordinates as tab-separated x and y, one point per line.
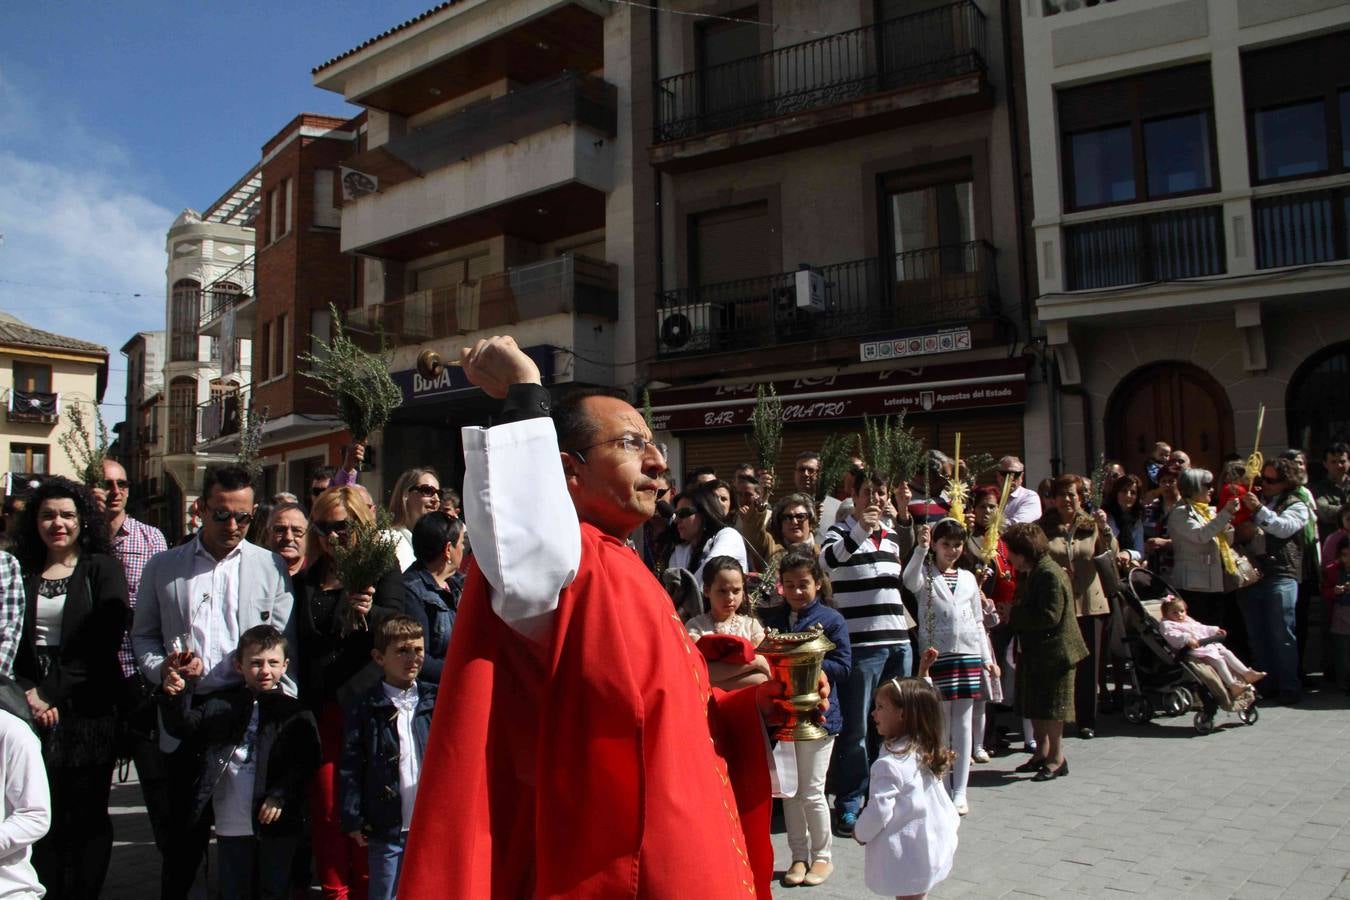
384	735
261	749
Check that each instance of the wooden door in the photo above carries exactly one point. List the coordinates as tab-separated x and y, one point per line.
1173	402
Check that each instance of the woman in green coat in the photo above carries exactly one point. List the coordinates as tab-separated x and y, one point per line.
1050	645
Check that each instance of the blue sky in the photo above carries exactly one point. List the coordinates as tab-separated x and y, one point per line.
114	116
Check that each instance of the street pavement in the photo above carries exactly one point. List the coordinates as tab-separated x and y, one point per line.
1155	810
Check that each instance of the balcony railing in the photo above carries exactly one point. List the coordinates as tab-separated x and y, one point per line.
1165	246
568	284
40	407
927	46
216	303
479	127
1055	7
1302	229
951	283
220	416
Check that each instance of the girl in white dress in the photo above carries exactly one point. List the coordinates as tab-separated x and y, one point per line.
909	824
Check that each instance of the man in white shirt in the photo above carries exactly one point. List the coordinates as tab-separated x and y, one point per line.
1024	504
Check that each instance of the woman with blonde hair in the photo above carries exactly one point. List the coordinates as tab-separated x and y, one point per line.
334	623
416	493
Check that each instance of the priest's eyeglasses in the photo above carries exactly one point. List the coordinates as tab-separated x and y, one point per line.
629	443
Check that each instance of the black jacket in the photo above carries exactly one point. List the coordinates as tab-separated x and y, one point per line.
87	677
328	658
287	748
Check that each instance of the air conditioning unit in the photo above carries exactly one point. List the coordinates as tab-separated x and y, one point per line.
688	328
810	286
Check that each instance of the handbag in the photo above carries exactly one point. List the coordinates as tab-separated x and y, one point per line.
1246	575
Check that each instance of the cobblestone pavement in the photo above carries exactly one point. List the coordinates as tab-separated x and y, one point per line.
1158	811
1155	810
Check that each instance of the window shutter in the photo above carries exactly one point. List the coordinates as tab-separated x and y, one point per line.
732	244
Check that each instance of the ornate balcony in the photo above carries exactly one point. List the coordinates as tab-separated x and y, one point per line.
938	285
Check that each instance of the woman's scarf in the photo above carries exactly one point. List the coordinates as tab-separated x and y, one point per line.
1225	551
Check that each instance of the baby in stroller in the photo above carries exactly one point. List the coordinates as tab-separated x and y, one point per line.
1181	631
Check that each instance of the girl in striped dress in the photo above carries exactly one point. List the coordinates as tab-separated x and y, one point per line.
951	621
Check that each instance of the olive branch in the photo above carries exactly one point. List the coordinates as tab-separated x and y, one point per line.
358	381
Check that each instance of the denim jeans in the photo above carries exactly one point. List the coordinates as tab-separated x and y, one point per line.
386	861
255	867
856	746
1268	606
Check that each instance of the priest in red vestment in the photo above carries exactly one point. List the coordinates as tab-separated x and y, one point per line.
578	749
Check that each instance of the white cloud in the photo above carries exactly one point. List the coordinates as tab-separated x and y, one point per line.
73	222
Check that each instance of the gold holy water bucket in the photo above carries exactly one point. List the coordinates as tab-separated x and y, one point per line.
794	661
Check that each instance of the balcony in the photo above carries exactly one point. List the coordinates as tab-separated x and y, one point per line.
569	284
915	67
1165	246
215	306
221	416
1055	7
534	163
33	407
939	285
1301	229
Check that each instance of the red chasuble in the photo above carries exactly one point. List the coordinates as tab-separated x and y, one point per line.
598	765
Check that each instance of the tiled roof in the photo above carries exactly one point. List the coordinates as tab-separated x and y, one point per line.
12	332
384	34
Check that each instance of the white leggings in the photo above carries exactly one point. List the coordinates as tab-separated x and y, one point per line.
957	714
977	725
1229	668
807	813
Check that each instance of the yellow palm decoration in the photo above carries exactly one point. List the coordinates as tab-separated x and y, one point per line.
1256	462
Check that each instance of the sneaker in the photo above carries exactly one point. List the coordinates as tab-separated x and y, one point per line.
980	755
844	827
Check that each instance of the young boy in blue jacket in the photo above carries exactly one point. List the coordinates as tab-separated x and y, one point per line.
384	736
261	750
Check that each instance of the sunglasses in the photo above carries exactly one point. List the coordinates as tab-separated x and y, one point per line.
661	493
425	490
119	484
328	529
1016	474
224	515
1270	480
799	518
316	491
685	512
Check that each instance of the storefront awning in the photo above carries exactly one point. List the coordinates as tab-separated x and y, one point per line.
922	389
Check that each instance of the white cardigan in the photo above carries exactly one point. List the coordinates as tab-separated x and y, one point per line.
957	620
1196	563
909	826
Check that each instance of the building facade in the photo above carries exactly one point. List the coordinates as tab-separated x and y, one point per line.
42	377
141	450
491	194
1191	172
836	214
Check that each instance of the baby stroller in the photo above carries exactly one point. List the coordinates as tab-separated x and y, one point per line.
1165	681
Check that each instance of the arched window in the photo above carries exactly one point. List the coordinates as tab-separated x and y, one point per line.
184	313
1318	401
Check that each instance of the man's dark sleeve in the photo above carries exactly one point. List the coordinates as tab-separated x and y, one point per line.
525	401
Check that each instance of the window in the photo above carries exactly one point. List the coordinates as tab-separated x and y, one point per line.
326	212
182	415
279	211
731	244
320	331
28	459
32	378
279	346
931	218
1298	108
273	216
1139	138
725	86
184	315
290	205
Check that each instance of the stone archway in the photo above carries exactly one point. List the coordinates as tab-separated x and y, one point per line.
1170	401
1317	401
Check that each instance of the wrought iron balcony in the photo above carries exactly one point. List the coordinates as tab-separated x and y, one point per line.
927	46
220	416
938	285
1302	229
33	407
568	284
1165	246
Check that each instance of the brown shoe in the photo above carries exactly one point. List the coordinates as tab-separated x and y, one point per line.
820	870
795	874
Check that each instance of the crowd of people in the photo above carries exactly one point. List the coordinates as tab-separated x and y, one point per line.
262	699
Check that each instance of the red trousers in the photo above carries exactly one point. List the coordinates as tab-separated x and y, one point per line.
339	861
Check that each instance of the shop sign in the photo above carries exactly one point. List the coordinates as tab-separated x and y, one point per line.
926	389
418	390
949	340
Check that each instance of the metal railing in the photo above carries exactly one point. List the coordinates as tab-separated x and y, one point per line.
571	284
946	284
479	127
221	416
1301	229
1165	246
927	46
216	303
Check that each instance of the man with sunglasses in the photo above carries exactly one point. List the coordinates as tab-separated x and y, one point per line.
208	591
580	760
1024	504
1269	605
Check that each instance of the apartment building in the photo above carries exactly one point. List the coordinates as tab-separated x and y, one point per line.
1191	171
836	215
209	348
492	193
298	272
141	453
42	376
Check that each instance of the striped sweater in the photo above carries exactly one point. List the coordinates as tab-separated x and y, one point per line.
865	575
